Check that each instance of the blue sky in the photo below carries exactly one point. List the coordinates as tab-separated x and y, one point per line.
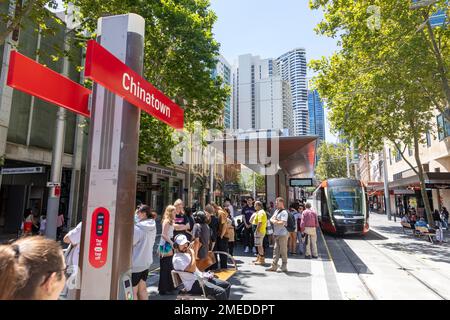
269	28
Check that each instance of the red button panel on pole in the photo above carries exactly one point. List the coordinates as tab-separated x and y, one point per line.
98	248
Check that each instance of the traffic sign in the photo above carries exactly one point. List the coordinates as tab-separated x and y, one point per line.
106	69
22	170
27	75
53	184
307	182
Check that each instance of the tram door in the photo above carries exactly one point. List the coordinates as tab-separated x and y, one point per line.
324	206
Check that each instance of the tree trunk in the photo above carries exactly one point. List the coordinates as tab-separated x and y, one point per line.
423	191
19	15
441	64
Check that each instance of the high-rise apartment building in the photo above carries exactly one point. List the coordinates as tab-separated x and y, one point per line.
316	115
223	69
291	66
262	100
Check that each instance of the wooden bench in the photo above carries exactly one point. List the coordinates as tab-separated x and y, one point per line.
424	231
225	274
407	226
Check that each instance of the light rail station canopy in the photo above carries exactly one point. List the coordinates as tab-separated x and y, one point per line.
296	155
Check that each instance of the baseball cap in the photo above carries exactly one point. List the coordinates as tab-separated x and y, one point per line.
181	239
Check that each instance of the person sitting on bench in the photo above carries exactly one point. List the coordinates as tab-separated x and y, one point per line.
423	223
184	260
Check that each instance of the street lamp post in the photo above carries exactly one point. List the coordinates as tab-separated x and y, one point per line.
387	203
58	152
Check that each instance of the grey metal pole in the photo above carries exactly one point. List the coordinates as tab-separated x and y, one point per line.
387	203
211	182
254	185
57	157
55	174
348	162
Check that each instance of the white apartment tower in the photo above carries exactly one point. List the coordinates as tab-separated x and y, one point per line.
291	66
261	100
223	69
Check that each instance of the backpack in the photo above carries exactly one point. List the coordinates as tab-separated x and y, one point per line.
290	222
299	222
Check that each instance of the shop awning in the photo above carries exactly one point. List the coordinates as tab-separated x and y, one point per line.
433	180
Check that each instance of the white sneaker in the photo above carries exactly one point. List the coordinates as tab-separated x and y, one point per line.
254	250
246	250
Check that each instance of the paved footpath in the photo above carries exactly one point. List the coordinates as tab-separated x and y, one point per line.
306	279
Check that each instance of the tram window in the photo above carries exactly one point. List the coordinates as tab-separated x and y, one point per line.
346	200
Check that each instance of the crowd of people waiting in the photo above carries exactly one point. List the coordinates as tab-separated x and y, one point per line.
34	267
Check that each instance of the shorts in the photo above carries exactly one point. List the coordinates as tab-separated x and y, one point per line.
259	239
138	276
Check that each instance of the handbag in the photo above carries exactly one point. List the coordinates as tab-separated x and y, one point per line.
206	262
165	249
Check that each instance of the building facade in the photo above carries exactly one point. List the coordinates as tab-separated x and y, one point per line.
223	69
292	68
316	115
262	98
403	182
27	127
435	158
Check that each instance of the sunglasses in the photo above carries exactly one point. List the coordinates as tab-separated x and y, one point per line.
49	273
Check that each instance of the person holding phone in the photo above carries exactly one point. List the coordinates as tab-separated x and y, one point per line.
184	260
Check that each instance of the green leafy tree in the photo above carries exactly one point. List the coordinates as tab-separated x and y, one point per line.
332	161
24	13
385	82
180	52
245	181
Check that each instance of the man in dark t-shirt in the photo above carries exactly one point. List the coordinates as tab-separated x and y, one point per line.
247	212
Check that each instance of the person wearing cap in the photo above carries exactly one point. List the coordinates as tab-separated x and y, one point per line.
184	260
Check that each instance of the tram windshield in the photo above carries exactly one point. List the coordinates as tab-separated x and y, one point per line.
346	200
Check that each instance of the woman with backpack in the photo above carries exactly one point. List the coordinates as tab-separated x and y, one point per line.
298	219
292	242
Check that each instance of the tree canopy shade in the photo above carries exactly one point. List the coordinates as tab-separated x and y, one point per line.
332	161
386	81
180	53
14	18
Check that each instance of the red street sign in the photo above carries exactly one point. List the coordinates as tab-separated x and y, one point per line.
98	247
57	192
27	75
104	68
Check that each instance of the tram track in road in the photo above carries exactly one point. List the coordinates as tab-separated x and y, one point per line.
408	271
369	291
341	244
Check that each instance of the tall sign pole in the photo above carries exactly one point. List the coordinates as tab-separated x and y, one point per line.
110	192
387	203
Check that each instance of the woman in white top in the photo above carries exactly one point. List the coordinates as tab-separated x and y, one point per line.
165	285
